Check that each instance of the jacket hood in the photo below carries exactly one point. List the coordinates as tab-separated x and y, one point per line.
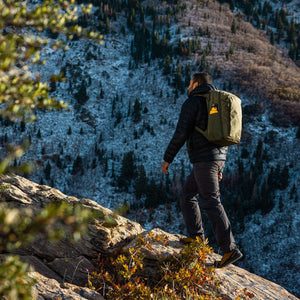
202	89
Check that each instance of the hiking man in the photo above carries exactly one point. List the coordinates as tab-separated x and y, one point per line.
208	162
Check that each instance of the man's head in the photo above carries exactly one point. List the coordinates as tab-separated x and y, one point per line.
199	79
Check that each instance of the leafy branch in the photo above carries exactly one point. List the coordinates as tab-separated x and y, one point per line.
22	38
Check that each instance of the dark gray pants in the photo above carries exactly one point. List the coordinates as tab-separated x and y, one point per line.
203	181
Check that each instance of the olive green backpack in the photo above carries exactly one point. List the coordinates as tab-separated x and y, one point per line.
224	126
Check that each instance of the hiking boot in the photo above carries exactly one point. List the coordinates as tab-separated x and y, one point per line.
190	239
229	258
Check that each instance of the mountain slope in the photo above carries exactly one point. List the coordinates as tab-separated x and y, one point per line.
82	151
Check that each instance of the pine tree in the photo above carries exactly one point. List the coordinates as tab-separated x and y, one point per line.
231	49
292	51
81	96
245	153
164	47
155	50
189	47
94	163
258	155
291	32
280	204
298	47
100	138
266	198
272	38
140	182
101	93
167	65
233	27
22	126
298	132
283	16
267	8
136	114
38	135
256	17
230	87
77	166
127	170
203	62
59	163
187	74
293	192
47	171
152	199
284	178
178	82
107	25
277	18
216	72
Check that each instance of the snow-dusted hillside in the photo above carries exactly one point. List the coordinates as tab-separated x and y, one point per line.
111	69
104	122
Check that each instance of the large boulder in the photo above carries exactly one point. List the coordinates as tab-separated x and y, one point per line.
61	269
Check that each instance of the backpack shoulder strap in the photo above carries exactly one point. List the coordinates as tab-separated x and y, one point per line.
206	96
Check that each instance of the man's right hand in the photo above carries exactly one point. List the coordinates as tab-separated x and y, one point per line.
220	176
164	167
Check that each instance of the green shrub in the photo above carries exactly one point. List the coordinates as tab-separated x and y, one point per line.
21	91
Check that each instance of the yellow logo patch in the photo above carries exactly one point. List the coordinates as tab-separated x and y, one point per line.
214	109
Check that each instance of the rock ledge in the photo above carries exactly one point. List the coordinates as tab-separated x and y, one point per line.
61	269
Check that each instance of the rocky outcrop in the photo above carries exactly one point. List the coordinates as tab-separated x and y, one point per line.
61	269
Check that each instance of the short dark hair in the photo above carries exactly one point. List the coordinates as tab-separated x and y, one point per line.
202	78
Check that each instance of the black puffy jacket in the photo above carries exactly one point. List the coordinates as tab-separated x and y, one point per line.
194	112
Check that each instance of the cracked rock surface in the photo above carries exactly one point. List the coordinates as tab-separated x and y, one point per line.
61	269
